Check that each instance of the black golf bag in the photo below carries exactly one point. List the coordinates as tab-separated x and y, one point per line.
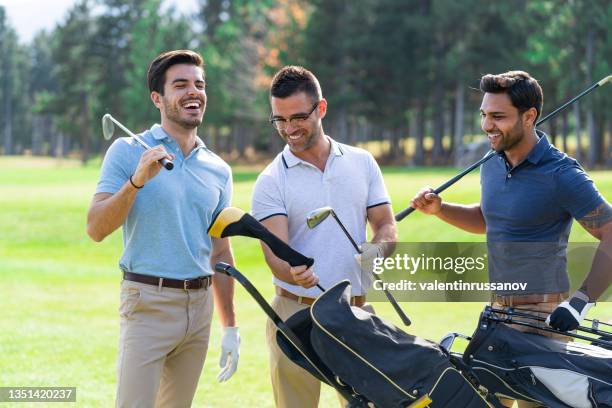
387	366
531	367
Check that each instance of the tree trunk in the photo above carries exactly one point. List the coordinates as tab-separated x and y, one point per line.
438	118
85	130
594	140
578	131
564	130
419	152
37	134
553	130
458	131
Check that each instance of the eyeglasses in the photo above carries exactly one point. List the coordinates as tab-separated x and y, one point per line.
296	120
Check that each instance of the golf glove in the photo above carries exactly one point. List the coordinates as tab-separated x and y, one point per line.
568	315
369	252
230	353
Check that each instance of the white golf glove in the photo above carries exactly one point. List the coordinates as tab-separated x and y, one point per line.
369	252
568	315
230	353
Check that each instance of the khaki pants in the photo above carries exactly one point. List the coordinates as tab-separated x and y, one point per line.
163	340
293	386
546	309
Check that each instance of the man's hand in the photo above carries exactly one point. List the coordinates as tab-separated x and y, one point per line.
149	166
568	315
369	252
304	276
427	201
230	353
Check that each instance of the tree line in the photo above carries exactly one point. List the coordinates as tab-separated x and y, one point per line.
401	75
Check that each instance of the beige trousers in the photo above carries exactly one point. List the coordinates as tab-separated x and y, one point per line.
293	386
163	339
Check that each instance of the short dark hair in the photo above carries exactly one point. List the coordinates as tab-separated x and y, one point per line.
524	90
293	79
156	76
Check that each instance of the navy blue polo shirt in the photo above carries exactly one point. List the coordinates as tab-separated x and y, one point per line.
528	212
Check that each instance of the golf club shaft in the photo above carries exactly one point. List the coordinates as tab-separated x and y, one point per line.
599	342
403	316
543	319
168	165
404	213
333	214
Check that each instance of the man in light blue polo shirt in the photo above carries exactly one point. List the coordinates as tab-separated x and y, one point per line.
314	171
166	302
530	194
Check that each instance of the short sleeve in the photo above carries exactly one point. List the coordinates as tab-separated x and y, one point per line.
115	168
576	191
377	192
267	198
225	199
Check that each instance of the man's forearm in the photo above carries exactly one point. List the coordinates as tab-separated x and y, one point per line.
223	288
600	277
279	268
467	217
106	215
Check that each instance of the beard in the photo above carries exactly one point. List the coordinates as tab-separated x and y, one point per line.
510	138
187	121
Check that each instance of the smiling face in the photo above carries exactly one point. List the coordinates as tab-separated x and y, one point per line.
184	98
300	137
503	123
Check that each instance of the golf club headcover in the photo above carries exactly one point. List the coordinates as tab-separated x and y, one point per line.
232	221
568	315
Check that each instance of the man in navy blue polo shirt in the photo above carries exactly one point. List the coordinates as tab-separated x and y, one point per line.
530	193
166	301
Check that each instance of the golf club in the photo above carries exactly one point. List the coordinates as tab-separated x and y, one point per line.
108	129
232	221
402	214
317	216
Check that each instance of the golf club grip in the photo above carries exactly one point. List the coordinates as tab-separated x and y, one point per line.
403	316
168	165
280	248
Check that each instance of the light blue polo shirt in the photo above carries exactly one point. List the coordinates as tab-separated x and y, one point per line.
164	233
350	183
528	212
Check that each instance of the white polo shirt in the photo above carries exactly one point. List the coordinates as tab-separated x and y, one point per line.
351	183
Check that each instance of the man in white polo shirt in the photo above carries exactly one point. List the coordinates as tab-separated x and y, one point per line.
314	171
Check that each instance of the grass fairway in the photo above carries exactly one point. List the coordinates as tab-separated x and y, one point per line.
59	290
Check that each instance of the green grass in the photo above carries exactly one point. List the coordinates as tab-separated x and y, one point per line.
59	290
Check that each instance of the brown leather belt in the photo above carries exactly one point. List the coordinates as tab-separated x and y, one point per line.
201	282
355	300
516	300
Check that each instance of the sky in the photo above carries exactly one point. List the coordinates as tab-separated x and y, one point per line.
28	17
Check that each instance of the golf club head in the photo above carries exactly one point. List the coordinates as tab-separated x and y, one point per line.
108	127
315	217
232	221
228	216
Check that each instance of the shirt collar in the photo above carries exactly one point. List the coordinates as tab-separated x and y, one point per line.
290	159
159	133
541	147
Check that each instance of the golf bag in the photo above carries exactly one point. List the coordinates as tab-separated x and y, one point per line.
531	367
378	361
